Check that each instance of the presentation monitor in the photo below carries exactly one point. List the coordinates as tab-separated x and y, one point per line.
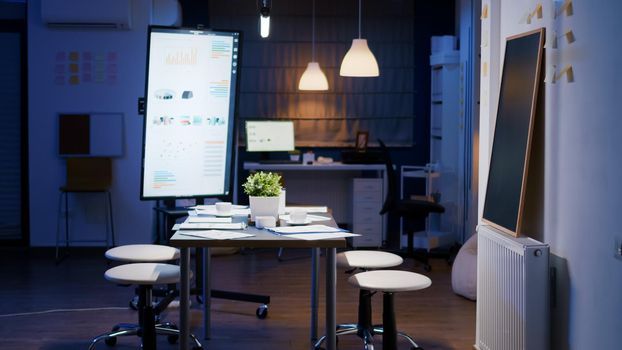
190	96
269	136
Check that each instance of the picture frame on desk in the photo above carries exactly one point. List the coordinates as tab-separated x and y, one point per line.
361	141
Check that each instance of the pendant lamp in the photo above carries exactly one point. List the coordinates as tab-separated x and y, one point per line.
313	79
359	61
264	17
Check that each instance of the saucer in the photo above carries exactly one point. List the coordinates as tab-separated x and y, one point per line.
224	215
306	222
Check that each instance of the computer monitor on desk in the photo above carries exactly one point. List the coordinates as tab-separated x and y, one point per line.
268	137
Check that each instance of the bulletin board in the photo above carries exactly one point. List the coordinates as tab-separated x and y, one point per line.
507	177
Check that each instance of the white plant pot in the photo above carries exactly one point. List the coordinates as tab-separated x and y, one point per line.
264	206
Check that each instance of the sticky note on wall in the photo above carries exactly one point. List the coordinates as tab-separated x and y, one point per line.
565	8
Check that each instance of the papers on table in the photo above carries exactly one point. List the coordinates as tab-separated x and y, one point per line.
211	210
208	219
311	232
216	234
285	230
307	209
318	236
211	226
208	206
310	218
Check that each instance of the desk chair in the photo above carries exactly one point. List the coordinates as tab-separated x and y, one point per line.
409	209
145	275
85	175
365	260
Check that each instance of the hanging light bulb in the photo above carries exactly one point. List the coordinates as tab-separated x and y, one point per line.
359	61
313	78
264	18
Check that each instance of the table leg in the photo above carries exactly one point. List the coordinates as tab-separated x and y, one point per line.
207	293
315	281
184	299
331	299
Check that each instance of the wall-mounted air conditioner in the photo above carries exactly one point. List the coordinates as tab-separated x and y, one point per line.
104	14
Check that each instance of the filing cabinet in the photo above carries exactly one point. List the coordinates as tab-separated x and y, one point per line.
367	199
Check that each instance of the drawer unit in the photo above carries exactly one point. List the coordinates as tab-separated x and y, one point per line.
367	199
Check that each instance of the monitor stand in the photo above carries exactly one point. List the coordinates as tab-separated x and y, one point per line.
171	213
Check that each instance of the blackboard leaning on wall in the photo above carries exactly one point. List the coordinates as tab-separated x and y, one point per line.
507	176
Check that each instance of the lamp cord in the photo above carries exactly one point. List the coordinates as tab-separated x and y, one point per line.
313	33
360	10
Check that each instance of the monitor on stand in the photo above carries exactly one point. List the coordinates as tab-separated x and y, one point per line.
270	137
188	139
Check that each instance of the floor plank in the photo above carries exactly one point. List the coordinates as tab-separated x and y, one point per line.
435	317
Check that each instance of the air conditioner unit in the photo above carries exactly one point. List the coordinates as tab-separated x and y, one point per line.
103	14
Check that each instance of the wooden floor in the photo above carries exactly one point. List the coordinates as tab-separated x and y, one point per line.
31	282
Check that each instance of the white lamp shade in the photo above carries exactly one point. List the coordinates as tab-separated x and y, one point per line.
264	26
359	61
313	78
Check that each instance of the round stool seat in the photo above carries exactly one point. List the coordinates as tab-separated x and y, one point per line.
390	281
143	273
368	259
142	253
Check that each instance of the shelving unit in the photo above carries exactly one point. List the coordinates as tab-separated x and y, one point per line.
443	173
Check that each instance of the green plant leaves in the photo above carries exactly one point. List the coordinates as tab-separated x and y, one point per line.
263	184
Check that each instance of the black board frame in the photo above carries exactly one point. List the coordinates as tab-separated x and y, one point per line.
516	230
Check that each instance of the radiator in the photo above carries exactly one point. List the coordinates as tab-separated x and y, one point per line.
512	292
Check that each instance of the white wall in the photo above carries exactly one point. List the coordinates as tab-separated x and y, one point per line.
581	176
46	100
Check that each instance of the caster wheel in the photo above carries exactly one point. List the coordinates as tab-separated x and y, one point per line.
172	339
111	341
134	303
262	312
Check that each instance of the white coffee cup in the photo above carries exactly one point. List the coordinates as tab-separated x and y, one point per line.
223	208
265	221
298	216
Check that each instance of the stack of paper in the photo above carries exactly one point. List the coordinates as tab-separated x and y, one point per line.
310	218
216	234
211	226
284	230
209	219
312	232
237	210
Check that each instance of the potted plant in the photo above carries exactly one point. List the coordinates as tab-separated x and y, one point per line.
263	190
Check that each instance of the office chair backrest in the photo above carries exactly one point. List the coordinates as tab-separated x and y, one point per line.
391	198
89	174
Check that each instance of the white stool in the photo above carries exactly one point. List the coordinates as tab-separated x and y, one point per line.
145	275
390	282
142	253
364	260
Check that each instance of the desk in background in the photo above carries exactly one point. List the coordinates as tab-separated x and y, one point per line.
354	201
262	239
